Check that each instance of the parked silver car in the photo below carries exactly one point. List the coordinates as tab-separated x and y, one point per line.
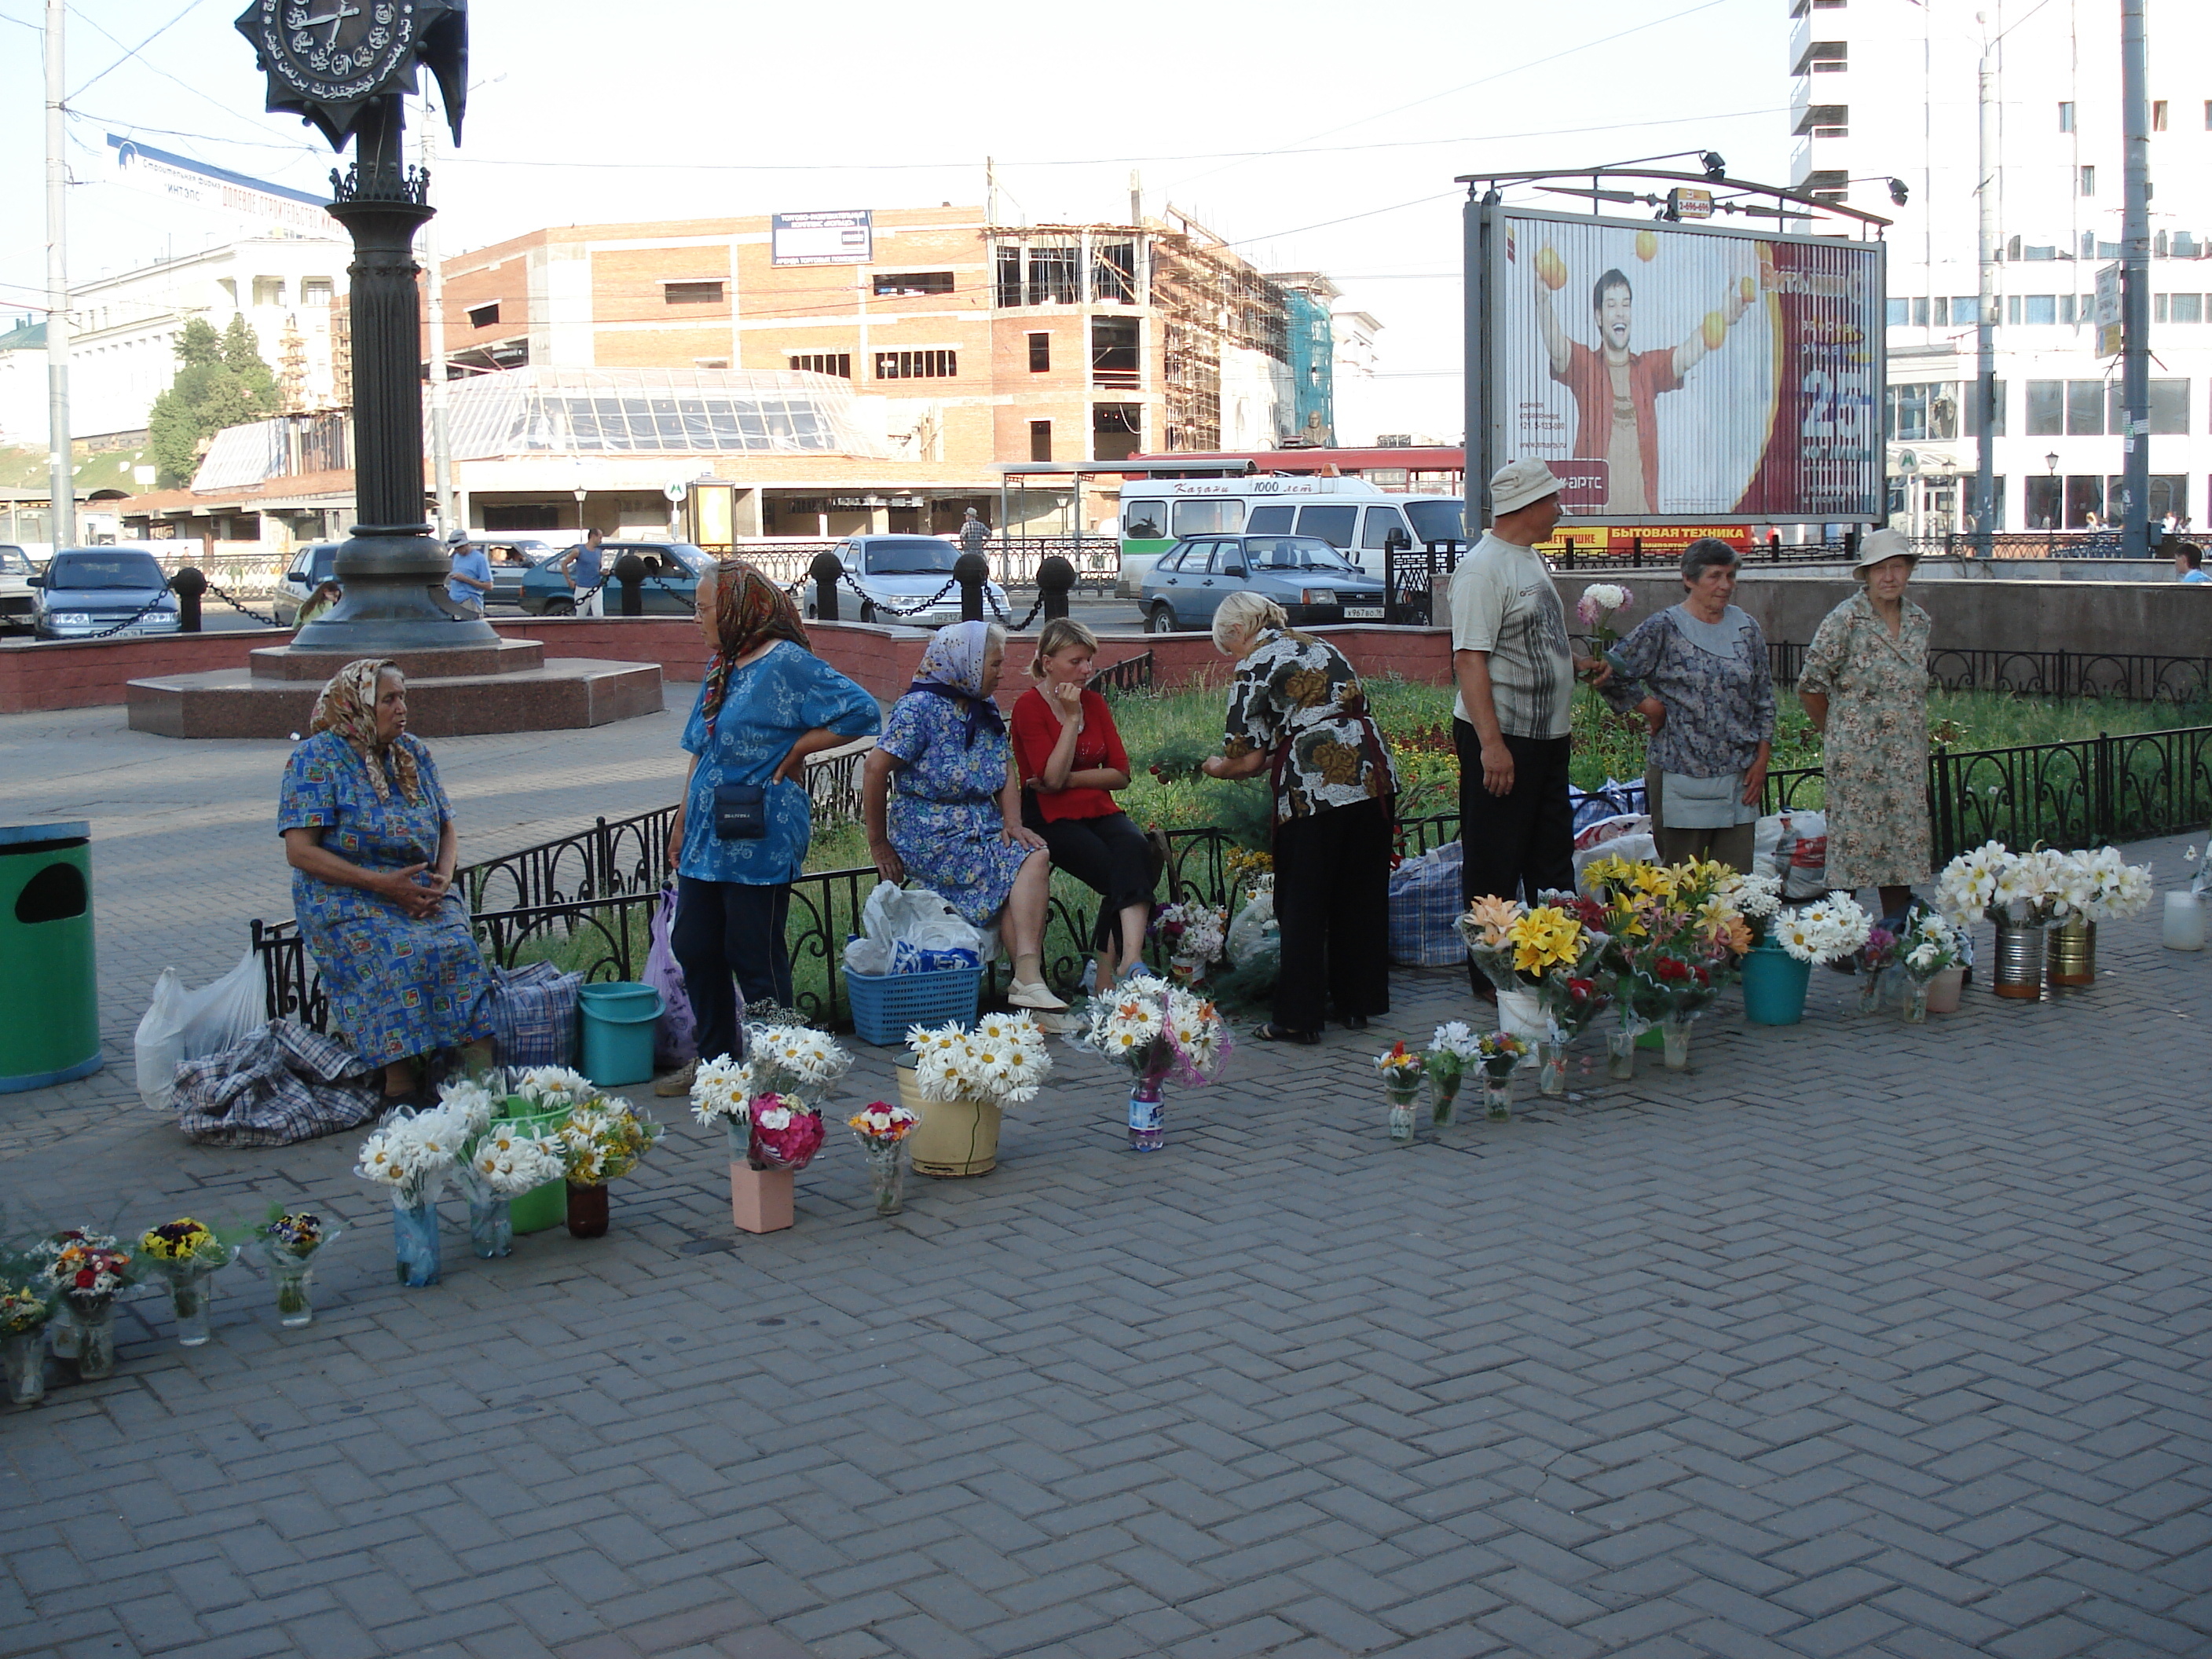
888	577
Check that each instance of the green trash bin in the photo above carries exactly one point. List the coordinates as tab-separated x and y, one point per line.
49	990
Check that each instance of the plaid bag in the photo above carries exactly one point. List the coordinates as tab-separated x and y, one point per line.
283	1084
1425	902
533	1014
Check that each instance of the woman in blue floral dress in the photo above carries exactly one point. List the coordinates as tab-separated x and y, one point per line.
944	804
370	838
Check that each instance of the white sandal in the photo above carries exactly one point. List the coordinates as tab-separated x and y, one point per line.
1035	994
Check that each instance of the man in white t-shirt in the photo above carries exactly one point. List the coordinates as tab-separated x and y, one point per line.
1516	671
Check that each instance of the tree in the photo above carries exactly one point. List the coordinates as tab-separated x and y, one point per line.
221	381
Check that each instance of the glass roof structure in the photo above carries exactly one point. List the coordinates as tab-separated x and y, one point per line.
653	411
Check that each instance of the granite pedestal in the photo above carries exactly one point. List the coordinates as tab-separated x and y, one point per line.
506	687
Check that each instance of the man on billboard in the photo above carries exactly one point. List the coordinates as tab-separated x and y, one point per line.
1616	391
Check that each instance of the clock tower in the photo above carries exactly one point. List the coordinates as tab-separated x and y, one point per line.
343	66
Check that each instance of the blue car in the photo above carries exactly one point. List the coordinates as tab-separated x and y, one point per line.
90	590
1313	583
672	573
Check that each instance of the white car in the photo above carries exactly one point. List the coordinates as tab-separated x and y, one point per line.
16	603
902	579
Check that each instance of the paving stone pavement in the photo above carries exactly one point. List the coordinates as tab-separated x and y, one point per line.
1854	1338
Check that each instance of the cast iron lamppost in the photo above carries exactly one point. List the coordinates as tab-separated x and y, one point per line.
343	66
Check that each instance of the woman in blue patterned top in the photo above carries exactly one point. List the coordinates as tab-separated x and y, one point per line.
370	839
943	805
1698	673
767	704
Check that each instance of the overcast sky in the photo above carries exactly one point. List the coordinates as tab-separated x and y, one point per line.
1313	136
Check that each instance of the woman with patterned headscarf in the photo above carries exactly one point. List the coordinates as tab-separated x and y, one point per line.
370	838
943	801
741	835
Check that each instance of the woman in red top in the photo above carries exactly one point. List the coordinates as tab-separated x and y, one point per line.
1072	761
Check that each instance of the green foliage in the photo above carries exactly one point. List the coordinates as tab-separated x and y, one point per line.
221	382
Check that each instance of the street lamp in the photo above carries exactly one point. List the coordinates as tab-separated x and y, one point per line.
2051	461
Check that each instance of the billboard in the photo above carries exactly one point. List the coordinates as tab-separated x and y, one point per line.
1671	372
217	189
2111	331
843	236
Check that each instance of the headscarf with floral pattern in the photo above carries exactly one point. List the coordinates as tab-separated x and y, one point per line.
347	707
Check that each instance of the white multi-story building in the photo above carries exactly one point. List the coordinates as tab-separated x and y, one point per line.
1888	89
126	328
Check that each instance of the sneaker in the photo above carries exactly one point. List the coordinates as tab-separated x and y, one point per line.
1034	995
678	1082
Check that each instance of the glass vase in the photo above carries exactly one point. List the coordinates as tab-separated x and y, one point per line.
1870	989
415	1241
491	1225
1552	1068
1674	1035
1915	1002
1148	1114
1401	1114
1498	1096
191	1287
23	1364
1443	1098
886	1174
292	1276
93	1334
587	1210
1620	1055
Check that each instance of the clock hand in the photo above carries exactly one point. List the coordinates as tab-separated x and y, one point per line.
334	19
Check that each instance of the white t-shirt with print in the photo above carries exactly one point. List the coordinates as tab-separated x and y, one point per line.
1503	602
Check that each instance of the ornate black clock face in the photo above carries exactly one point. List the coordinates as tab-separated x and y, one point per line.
336	51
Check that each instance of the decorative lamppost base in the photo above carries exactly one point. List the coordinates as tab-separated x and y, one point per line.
394	599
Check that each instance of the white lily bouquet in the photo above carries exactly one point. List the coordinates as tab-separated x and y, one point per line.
2103	886
1001	1060
2016	889
549	1088
1825	930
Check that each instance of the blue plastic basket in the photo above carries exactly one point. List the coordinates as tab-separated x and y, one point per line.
885	1005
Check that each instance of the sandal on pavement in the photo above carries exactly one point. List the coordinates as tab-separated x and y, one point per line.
1036	996
677	1082
1271	1032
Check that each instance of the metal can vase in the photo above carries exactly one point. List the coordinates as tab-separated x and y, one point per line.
2019	962
2073	953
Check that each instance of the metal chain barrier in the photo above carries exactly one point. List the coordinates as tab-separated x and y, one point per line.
150	605
266	622
845	580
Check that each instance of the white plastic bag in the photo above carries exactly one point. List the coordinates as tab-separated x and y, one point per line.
180	1025
1636	847
1801	855
912	916
1254	925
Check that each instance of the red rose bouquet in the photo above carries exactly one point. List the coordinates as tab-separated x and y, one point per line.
787	1133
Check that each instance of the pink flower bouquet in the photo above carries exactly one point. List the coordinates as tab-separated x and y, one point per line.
787	1133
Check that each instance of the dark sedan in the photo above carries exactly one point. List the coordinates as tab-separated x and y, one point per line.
113	592
672	573
1313	582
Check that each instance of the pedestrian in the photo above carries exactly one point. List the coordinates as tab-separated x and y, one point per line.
469	584
1864	686
741	831
327	593
2188	561
1697	672
975	534
1516	671
1072	761
586	570
1297	713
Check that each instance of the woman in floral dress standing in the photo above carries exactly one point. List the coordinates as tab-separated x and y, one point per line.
1865	686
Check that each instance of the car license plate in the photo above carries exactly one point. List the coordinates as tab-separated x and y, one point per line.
1363	612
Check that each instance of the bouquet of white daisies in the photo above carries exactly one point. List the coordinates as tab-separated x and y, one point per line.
1825	930
1001	1060
1153	1027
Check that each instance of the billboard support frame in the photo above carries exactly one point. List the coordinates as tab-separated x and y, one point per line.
1485	211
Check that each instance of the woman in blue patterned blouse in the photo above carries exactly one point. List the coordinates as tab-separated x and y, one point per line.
767	704
370	838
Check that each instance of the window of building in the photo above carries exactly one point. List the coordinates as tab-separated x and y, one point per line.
2044	503
692	294
901	284
484	316
2168	412
2188	309
2046	408
2066	309
1920	413
1920	313
269	290
1824	57
1040	354
2012	308
2040	310
316	290
1113	273
1115	360
1965	310
1039	440
1825	121
2088	180
2208	115
2158	115
1007	290
2066	117
917	365
839	363
1115	430
2184	245
710	362
2085	408
1054	276
1900	314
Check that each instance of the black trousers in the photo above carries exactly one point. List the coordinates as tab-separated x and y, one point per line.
1108	856
1333	904
726	928
1515	845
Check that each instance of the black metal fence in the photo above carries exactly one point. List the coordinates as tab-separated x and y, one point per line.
2124	676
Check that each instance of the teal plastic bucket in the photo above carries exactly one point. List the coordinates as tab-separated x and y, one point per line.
619	1021
1774	986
